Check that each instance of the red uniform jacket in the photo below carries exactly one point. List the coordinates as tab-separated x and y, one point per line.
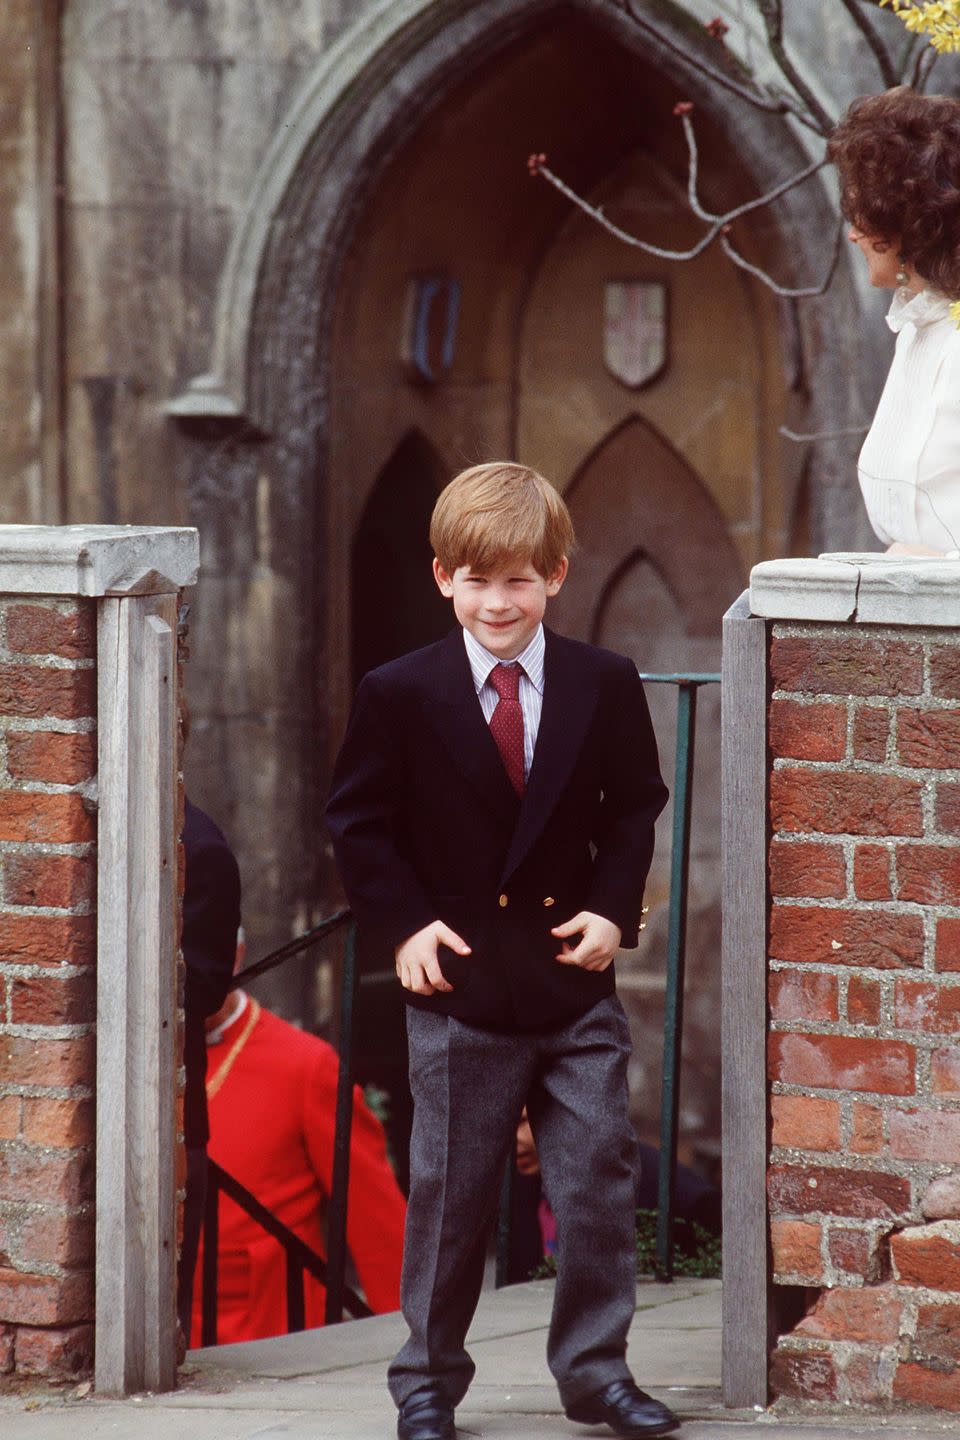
271	1090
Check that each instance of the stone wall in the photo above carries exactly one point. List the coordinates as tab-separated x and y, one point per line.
48	763
27	68
864	1004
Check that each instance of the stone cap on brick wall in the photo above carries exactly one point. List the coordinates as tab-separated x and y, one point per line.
866	589
97	560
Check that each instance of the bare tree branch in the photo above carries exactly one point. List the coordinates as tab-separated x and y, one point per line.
806	292
772	12
888	71
909	53
923	65
803	105
757	204
760	97
596	213
801	436
718	224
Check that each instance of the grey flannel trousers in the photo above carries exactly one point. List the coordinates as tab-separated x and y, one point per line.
469	1086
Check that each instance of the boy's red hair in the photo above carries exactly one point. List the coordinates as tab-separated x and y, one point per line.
493	514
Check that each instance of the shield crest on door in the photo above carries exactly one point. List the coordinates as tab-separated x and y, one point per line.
635	330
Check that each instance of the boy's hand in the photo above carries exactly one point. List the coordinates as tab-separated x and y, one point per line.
599	941
417	963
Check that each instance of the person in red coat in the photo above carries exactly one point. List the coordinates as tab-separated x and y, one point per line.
271	1091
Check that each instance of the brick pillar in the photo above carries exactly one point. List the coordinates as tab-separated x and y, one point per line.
54	584
863	1178
47	984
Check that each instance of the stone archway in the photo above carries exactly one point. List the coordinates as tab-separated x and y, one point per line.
264	422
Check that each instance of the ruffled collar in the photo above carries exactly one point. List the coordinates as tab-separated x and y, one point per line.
924	308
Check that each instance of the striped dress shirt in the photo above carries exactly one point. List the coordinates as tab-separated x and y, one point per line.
530	661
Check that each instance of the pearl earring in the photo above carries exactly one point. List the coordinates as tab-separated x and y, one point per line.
902	277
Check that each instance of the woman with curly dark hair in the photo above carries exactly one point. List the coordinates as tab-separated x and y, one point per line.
898	158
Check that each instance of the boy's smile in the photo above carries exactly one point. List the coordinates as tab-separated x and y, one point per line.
501	607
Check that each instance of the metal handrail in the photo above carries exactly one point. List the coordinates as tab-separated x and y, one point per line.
687	687
688	683
300	1256
292	947
343	1127
339	1296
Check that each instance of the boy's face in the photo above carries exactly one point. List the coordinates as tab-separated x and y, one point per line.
501	608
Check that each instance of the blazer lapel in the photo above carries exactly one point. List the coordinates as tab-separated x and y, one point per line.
454	713
569	700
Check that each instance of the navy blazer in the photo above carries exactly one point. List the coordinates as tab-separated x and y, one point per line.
427	826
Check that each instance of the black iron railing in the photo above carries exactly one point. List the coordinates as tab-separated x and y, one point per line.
300	1257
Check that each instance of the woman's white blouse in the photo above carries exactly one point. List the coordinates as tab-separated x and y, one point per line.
909	466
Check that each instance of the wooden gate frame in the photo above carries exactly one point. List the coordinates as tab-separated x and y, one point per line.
747	1301
137	940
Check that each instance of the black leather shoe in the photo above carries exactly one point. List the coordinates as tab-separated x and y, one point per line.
426	1415
629	1411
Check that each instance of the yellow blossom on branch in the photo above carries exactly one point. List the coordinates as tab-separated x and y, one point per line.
939	20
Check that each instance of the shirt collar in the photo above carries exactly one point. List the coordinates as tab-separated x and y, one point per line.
924	308
530	659
241	1001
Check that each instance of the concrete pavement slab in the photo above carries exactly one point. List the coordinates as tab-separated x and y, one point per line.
516	1310
694	1312
105	1421
120	1421
329	1385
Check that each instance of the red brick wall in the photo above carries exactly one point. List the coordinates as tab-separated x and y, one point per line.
48	764
864	1003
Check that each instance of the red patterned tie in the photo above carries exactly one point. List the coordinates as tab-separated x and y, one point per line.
506	722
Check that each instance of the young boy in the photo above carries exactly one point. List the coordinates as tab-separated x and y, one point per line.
492	812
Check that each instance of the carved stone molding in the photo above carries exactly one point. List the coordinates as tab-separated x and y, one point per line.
95	560
364	97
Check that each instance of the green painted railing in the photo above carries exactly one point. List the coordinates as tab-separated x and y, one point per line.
688	686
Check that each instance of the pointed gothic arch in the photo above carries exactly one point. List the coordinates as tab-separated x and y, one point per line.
666	517
395	605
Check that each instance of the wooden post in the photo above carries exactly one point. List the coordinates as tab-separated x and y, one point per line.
136	996
746	1298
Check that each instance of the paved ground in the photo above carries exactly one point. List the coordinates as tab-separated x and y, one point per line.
329	1384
